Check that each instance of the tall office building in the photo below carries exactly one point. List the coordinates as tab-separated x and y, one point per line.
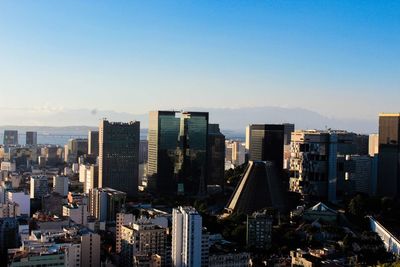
93	143
267	143
31	138
186	237
10	137
163	139
119	156
389	155
216	156
191	155
177	152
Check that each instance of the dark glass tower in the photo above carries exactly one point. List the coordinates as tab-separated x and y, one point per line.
31	138
163	139
191	153
10	137
216	156
267	143
119	156
177	152
389	155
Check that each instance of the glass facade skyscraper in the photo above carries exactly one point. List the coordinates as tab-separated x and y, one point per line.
191	154
177	152
163	138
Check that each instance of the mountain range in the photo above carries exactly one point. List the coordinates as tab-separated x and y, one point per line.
231	121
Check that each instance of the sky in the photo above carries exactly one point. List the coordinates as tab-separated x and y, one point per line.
339	58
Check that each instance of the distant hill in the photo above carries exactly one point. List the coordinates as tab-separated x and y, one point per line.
232	121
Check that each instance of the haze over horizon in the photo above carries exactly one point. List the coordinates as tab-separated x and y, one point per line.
335	58
235	119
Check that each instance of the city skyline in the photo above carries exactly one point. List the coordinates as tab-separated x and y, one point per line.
158	55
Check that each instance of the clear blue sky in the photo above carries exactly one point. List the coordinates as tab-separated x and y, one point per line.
340	58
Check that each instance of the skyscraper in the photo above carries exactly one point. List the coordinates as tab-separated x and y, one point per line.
177	152
10	137
163	140
93	143
389	155
31	138
267	143
119	156
216	156
191	154
186	237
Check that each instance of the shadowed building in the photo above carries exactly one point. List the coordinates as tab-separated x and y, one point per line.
191	153
216	156
163	139
119	156
93	143
177	152
389	155
31	138
259	188
267	143
10	137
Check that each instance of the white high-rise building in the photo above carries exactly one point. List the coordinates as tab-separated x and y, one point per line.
247	143
60	185
186	237
238	153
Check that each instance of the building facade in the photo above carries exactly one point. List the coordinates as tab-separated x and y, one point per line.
389	155
216	156
186	237
119	156
177	152
31	138
10	138
93	143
